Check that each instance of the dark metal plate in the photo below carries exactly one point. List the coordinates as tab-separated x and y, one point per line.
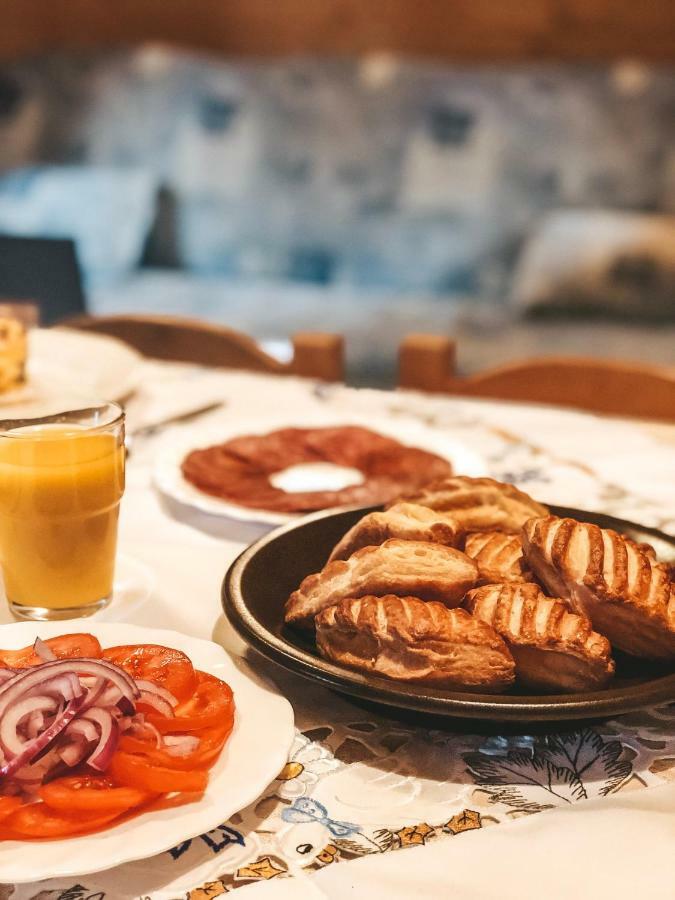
259	581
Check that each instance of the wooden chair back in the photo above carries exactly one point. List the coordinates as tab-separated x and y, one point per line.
457	30
427	363
315	355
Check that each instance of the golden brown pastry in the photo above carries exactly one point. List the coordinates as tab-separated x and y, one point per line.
405	521
624	591
480	504
407	639
499	557
554	649
429	571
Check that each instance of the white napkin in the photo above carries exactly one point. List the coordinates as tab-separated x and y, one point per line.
616	847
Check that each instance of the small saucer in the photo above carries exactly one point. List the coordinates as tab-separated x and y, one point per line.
133	585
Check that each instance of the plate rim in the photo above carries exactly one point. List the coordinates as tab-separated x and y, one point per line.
434	701
282	748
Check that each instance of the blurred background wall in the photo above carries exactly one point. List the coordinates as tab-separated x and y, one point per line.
374	168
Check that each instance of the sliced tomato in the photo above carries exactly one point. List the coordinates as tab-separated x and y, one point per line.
164	666
211	741
8	805
65	646
211	705
138	772
37	820
91	793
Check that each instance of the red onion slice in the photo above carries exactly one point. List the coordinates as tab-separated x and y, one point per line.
142	728
35	724
112	697
74	753
159	703
152	688
12	742
32	748
66	687
71	712
80	734
109	736
83	729
29	678
94	692
45	653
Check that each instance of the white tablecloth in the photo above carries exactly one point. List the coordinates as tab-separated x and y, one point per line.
396	785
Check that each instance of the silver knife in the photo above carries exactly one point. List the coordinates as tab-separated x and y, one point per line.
153	428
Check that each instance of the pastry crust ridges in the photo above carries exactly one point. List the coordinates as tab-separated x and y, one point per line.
572	656
404	521
480	504
619	585
499	557
408	639
428	571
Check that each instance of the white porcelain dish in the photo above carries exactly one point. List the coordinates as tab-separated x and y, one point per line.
254	754
75	362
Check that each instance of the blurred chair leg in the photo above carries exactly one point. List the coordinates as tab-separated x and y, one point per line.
318	355
426	362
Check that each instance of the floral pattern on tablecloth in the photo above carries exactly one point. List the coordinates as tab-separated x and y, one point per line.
359	783
366	784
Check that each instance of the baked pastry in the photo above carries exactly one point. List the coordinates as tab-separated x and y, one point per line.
406	639
13	350
624	591
428	571
554	649
480	504
499	557
406	521
240	469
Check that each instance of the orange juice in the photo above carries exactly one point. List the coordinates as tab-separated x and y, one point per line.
60	489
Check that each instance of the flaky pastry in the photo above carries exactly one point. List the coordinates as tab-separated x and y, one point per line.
499	557
480	504
428	571
405	521
554	649
411	640
624	591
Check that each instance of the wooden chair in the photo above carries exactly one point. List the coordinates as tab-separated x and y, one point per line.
316	355
427	363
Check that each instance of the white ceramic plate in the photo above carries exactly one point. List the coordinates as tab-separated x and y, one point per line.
169	479
255	753
75	362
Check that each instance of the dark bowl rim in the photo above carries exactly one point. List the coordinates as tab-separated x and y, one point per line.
376	689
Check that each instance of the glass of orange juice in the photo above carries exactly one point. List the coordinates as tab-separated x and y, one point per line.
61	482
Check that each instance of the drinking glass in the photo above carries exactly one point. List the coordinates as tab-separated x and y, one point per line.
61	482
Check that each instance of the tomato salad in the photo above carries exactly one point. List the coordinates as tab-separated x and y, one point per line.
90	736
